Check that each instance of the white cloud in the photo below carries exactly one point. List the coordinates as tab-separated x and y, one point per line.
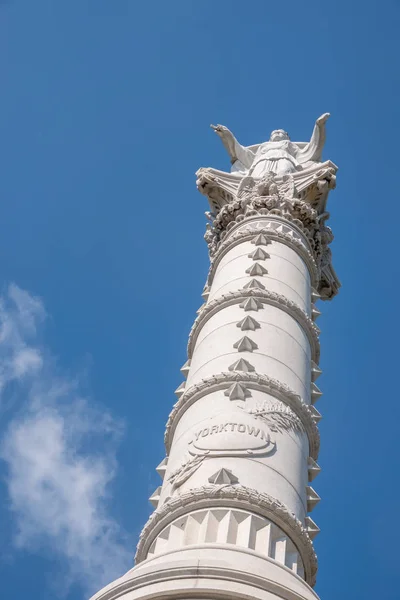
60	454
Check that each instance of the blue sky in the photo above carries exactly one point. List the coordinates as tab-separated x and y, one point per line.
104	118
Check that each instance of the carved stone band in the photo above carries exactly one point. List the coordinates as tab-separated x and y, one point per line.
235	496
254	381
206	576
237	237
265	296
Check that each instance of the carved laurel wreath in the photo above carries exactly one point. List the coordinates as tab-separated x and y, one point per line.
251	380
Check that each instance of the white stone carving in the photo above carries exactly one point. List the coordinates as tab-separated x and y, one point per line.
242	365
315	312
312	498
248	324
261	240
186	470
236	497
205	292
232	435
237	391
180	389
259	254
155	497
254	302
251	304
238	236
277	186
185	369
229	526
313	469
162	467
270	386
245	344
223	477
312	529
315	393
254	283
257	269
315	413
279	155
315	371
278	416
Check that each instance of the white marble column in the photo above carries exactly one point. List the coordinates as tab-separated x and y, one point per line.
232	515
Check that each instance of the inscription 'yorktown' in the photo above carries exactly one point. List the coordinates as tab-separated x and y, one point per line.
232	427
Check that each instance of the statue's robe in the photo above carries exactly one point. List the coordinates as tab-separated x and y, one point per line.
282	157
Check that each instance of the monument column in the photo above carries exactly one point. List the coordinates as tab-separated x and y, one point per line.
232	516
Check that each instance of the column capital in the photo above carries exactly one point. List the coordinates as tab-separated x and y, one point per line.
298	198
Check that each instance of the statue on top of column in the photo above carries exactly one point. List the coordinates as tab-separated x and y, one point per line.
279	155
278	162
277	177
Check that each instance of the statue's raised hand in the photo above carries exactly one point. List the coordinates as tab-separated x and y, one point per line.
227	138
323	118
220	129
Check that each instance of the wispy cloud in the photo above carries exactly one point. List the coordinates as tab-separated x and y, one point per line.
60	453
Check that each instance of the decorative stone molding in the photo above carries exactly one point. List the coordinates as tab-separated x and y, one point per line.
237	391
242	365
186	470
261	296
238	237
185	369
162	467
263	383
278	416
259	254
155	497
313	469
312	498
312	528
315	393
230	496
205	577
248	324
229	526
261	240
256	270
297	198
223	477
315	371
180	389
251	304
245	344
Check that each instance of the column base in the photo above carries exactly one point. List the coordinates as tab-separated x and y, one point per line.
211	572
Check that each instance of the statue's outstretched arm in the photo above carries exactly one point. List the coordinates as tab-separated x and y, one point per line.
313	150
235	150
